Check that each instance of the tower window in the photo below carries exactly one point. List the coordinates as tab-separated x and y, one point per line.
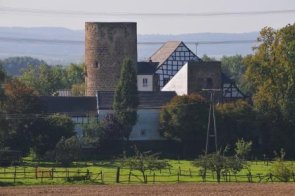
96	65
144	82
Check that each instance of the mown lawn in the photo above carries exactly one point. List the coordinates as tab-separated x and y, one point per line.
104	172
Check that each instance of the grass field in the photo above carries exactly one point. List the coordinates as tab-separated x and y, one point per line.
104	172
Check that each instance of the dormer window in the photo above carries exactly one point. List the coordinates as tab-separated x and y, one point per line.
144	82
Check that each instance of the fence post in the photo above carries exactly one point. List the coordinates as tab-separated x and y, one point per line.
190	172
129	176
41	176
101	176
178	177
154	178
118	175
52	173
179	170
36	172
14	176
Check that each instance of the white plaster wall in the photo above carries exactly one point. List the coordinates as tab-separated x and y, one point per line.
146	127
149	86
179	82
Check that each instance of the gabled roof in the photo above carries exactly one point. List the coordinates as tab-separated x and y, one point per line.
163	53
69	105
147	100
147	68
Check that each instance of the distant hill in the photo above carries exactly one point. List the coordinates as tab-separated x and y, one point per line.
64	53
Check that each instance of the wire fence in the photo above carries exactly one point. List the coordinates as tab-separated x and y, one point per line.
39	175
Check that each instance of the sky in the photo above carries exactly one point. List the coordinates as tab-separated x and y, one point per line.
73	14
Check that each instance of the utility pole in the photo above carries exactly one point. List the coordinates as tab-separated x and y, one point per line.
211	128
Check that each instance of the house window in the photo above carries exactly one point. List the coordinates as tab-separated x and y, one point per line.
142	132
144	82
166	80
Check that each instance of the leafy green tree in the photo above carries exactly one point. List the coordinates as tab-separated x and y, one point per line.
207	58
236	120
98	134
78	89
14	65
46	132
281	169
126	98
184	118
75	74
143	162
243	148
67	150
234	67
218	163
271	75
19	109
44	79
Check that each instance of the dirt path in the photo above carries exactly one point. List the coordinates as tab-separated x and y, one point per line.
173	189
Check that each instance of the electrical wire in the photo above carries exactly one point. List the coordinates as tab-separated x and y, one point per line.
5	9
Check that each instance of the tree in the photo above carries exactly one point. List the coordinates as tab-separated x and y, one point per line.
46	132
206	58
14	65
218	163
184	118
243	148
271	75
234	67
44	79
143	162
67	150
126	98
19	109
236	120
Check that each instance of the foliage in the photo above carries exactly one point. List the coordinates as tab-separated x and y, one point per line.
206	58
78	89
67	150
44	79
109	128
218	163
243	148
48	79
126	98
184	118
281	169
26	126
20	106
14	65
48	131
271	75
143	162
234	67
236	120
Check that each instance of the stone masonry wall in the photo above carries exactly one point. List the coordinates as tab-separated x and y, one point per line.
106	46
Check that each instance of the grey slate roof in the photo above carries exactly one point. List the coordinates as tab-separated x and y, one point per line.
165	51
69	105
146	68
147	100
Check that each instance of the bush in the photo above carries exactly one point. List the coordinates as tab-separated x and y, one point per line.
9	157
67	150
281	169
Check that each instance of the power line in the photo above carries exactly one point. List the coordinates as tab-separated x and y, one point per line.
80	42
6	9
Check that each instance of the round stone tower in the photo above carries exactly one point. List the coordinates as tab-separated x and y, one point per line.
106	46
